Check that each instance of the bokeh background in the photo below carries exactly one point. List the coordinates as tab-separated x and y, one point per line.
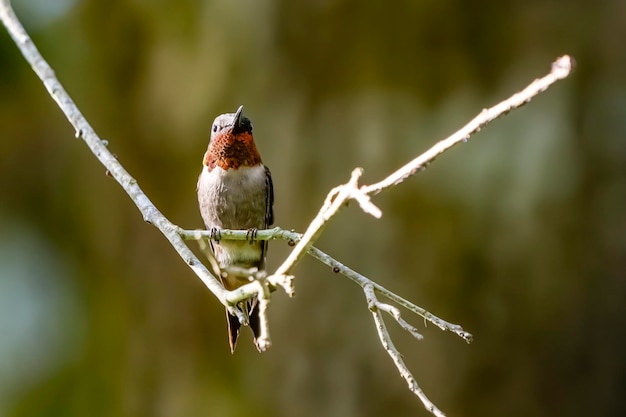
518	235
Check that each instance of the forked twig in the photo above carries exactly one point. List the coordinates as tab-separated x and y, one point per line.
376	307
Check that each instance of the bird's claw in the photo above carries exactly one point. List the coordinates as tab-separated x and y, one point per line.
251	235
216	234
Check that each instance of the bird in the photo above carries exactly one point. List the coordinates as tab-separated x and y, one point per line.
235	191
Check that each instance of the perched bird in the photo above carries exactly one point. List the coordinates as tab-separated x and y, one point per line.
235	191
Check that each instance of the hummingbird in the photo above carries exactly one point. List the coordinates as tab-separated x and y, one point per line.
235	191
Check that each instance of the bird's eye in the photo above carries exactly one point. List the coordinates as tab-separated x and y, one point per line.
214	128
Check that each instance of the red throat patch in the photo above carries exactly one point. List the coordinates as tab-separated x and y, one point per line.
229	151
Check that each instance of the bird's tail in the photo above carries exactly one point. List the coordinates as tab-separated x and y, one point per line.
251	309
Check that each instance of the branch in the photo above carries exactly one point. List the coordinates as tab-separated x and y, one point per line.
376	307
337	197
98	147
561	68
280	234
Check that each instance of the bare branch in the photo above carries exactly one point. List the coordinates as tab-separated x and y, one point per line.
334	201
228	234
395	313
336	266
98	147
263	340
396	356
363	281
561	68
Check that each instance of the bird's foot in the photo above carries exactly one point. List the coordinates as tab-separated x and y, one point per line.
216	234
251	235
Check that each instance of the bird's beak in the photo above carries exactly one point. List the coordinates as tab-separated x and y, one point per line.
237	118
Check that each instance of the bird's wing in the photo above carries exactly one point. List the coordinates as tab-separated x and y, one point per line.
269	201
269	212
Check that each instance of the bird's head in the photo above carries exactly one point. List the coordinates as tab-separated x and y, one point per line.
232	144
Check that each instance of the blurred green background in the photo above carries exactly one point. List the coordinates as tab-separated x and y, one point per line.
518	235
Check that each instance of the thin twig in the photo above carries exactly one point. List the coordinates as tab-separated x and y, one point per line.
364	281
396	356
395	313
263	341
334	201
561	68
